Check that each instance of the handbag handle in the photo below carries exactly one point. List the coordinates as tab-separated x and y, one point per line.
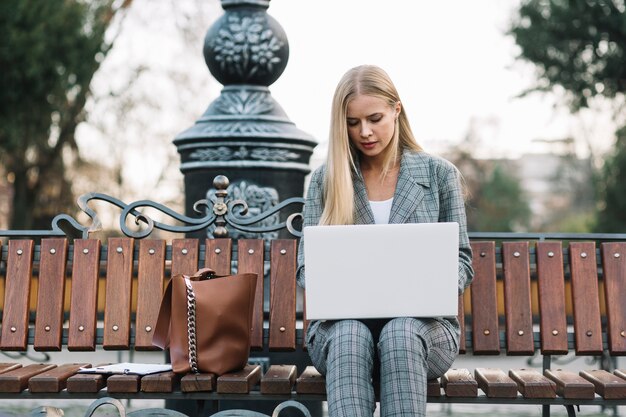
204	273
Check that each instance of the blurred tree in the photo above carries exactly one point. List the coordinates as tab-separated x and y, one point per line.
495	200
501	203
578	45
49	53
611	217
573	196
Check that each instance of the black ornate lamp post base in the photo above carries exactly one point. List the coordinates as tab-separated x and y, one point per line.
245	134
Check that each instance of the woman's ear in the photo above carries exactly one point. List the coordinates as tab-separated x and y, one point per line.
398	108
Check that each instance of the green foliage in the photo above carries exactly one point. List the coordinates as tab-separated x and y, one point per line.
49	53
499	204
576	222
571	208
495	201
611	216
578	45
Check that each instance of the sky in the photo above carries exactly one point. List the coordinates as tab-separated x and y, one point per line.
451	61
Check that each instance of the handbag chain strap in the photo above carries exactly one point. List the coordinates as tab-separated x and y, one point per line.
191	326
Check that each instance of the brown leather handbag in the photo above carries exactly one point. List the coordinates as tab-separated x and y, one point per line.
205	320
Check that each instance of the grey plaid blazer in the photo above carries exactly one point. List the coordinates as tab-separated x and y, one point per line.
428	191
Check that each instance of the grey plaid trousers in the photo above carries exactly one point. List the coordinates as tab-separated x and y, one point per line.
409	352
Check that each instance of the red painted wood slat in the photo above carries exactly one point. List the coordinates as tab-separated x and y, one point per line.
517	304
587	327
118	293
83	304
17	295
51	295
551	289
250	259
485	333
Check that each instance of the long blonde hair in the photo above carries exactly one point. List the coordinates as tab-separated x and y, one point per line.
340	164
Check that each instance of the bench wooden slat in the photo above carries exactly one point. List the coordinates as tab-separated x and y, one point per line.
495	383
123	383
54	380
283	295
198	383
17	380
51	295
461	318
184	256
570	384
160	382
614	272
218	255
587	327
17	295
250	259
532	384
459	383
150	280
84	298
86	383
484	303
311	381
551	294
6	367
279	379
240	382
517	304
609	386
118	293
620	373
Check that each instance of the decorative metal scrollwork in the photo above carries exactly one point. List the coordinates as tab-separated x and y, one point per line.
218	211
263	221
190	224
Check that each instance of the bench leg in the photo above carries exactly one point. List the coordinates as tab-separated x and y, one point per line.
293	404
547	363
106	401
570	411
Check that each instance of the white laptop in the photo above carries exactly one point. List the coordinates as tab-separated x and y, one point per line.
381	271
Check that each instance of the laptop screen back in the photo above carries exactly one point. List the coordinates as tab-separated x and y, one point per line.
381	271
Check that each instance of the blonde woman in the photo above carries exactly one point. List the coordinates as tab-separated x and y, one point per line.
376	172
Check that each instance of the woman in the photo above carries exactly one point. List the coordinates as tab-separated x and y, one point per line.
376	172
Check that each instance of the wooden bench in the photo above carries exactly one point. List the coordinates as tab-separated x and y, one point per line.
533	296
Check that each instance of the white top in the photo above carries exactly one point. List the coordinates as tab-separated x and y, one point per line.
381	210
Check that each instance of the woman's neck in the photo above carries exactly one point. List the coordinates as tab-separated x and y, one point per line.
379	185
376	166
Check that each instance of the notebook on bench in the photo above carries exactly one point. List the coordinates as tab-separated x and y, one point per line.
381	271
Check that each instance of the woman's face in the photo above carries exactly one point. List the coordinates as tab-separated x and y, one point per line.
371	123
